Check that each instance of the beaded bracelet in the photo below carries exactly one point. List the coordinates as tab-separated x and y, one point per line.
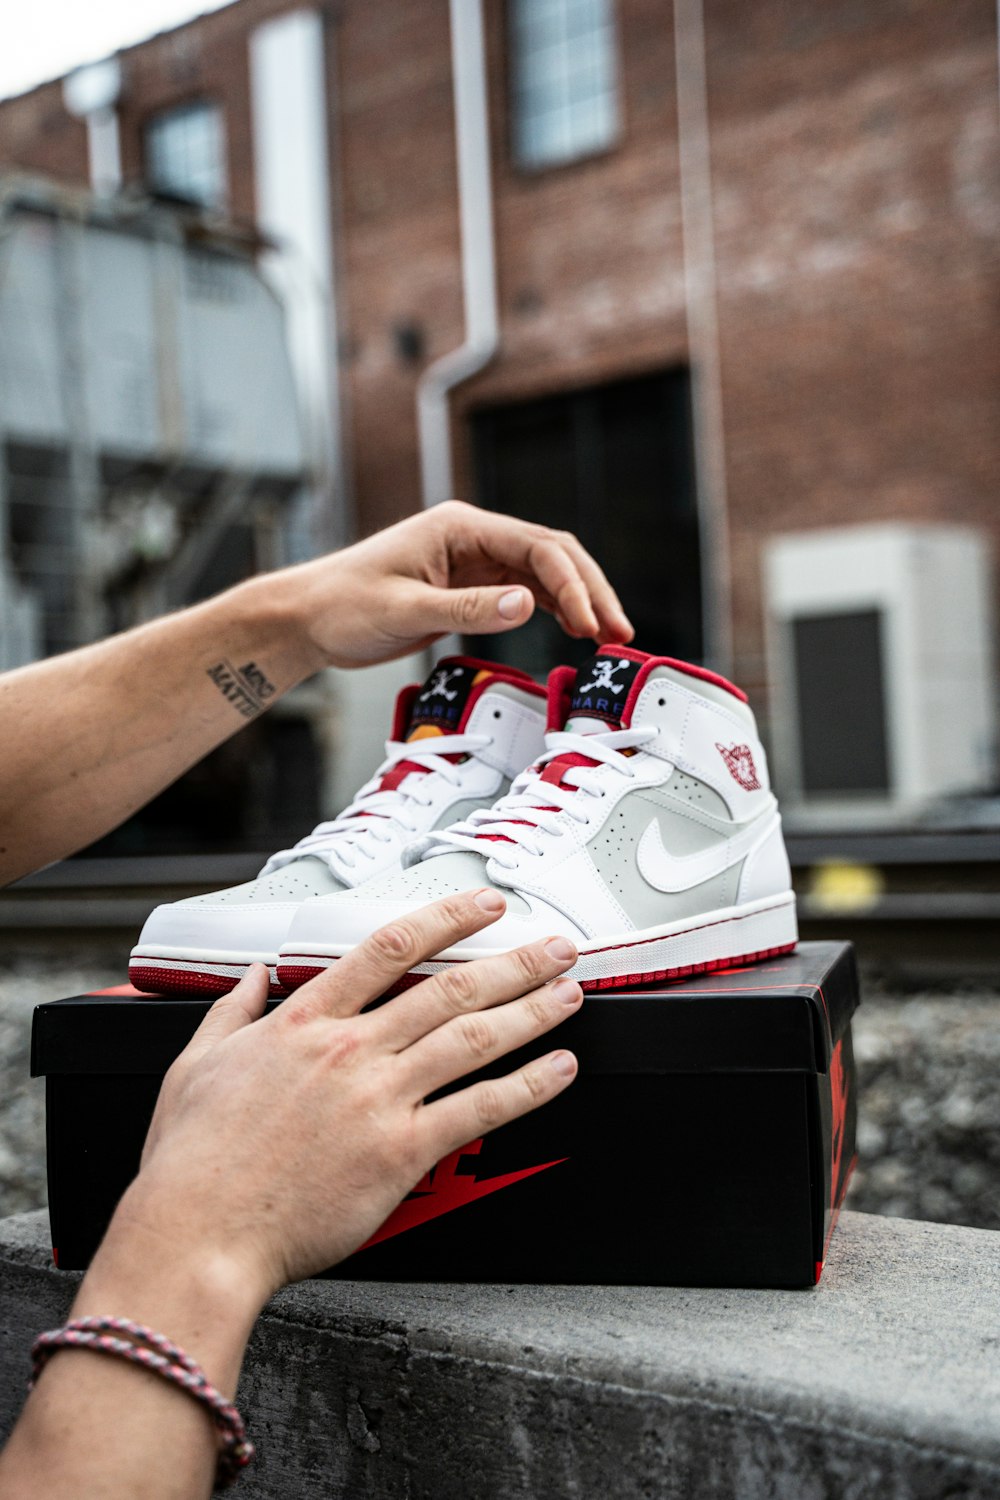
153	1352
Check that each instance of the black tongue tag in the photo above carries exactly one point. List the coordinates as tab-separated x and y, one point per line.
602	687
441	701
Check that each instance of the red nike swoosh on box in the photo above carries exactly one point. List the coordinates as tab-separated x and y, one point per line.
443	1190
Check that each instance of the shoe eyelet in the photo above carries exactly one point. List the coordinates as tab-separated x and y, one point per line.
661	702
497	714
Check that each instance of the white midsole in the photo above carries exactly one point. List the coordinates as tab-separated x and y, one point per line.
159	951
727	933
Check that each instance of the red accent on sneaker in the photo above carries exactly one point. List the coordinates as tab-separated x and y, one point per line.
560	690
405	700
688	668
685	972
740	762
557	768
154	982
294	975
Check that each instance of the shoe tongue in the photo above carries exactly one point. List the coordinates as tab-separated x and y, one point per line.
442	704
600	691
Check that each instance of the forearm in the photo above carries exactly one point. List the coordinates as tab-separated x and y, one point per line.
96	1425
92	735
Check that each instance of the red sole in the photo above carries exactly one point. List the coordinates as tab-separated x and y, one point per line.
293	975
153	981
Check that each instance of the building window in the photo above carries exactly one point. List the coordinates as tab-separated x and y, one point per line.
185	153
563	76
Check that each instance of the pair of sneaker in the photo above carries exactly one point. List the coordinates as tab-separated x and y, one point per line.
627	807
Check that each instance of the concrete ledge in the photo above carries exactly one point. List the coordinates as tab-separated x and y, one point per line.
882	1383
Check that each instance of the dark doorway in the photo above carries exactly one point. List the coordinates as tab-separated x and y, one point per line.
255	793
614	464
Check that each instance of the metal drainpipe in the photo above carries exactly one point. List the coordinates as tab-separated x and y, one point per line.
701	298
479	281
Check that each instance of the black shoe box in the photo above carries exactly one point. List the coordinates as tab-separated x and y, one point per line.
707	1141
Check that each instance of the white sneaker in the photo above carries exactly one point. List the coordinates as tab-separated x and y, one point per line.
457	742
646	833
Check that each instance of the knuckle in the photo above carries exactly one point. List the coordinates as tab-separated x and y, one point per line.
456	911
341	1044
466	607
478	1035
459	988
531	1080
394	944
490	1110
540	1006
530	964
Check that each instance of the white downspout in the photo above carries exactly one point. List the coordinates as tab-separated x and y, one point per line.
91	94
701	296
479	280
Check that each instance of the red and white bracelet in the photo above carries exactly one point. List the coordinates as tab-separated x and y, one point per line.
142	1346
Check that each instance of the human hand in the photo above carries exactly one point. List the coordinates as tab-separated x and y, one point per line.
451	569
279	1147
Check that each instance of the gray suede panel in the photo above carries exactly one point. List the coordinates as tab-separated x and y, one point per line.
687	825
461	810
444	875
297	881
697	799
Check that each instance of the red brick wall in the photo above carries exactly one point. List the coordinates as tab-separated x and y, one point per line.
857	209
37	135
399	244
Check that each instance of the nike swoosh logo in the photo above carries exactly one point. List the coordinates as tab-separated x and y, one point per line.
443	1190
673	873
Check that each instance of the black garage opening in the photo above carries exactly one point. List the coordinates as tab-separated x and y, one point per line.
614	464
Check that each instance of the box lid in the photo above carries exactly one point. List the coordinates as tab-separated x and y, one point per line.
781	1016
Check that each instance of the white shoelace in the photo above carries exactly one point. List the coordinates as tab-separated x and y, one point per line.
349	837
526	812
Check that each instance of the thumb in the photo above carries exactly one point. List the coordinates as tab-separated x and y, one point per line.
475	611
243	1004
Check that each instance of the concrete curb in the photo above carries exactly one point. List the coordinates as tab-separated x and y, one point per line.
884	1382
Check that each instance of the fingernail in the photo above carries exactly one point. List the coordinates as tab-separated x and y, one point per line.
560	949
489	900
566	991
564	1063
512	604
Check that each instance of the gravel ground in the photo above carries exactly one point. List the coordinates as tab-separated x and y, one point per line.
929	1126
22	1098
929	1067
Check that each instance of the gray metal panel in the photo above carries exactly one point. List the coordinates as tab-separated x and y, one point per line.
118	315
183	349
238	396
31	395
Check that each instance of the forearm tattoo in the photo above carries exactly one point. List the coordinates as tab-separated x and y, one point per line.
247	689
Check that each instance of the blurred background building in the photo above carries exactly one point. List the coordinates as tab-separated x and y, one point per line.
713	284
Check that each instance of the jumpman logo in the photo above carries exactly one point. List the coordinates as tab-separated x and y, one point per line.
604	676
439	685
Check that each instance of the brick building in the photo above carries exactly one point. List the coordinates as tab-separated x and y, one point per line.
764	300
